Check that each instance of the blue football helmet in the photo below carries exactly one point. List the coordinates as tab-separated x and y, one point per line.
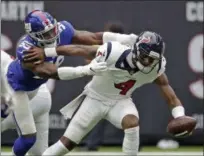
42	27
148	51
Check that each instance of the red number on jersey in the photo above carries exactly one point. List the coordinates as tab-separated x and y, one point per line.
125	86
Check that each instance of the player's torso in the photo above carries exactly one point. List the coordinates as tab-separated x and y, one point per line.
117	82
23	79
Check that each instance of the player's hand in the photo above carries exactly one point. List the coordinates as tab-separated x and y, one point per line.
95	68
35	55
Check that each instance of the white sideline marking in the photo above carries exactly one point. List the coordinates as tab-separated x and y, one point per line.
120	153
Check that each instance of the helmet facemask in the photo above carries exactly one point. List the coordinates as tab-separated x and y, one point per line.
146	61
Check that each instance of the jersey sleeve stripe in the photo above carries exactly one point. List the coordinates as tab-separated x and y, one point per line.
109	48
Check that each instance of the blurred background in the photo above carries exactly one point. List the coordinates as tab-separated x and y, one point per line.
180	23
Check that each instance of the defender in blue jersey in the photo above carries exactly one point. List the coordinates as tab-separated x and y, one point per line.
24	78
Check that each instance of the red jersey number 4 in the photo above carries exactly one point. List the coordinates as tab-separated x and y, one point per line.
125	86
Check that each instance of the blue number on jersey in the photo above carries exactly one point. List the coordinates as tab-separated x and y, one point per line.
26	80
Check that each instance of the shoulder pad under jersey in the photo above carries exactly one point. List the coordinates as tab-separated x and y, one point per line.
163	66
24	44
66	31
110	51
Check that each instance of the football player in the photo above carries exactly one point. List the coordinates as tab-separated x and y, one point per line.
40	106
23	79
109	96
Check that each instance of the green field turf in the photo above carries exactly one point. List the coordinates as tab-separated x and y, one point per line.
144	149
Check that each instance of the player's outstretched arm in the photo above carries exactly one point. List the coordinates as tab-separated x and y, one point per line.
170	96
90	38
39	54
87	38
49	70
181	125
80	37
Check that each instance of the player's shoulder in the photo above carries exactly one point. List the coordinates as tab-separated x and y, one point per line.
66	30
25	42
162	69
112	51
65	26
65	23
164	62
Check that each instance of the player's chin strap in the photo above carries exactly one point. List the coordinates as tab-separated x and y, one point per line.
160	62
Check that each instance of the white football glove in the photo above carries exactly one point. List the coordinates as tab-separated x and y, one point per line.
95	68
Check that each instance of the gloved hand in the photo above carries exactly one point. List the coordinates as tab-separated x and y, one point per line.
95	68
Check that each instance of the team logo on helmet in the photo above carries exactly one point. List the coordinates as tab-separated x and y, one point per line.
28	27
145	39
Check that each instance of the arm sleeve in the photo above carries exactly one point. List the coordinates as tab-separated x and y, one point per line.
68	73
122	38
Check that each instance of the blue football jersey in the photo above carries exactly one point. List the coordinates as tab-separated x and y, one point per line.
22	79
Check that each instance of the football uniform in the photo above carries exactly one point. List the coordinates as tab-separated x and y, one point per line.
22	79
23	85
40	106
108	96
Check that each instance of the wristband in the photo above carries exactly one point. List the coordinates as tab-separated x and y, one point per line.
50	52
178	111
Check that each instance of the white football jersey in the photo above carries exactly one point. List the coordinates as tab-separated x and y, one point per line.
117	83
5	59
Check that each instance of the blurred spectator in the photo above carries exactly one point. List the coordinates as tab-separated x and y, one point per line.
116	27
95	137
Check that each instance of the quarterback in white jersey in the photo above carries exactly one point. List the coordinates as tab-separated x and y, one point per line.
108	96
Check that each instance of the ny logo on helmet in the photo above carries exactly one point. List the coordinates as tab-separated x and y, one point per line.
47	22
28	27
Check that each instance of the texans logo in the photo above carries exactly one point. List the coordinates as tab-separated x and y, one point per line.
145	40
100	54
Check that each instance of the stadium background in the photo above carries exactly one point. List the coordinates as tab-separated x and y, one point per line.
179	23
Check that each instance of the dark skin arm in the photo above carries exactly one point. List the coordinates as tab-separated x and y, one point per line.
80	37
87	38
167	91
88	52
44	70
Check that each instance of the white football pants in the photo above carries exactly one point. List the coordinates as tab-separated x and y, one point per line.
92	111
